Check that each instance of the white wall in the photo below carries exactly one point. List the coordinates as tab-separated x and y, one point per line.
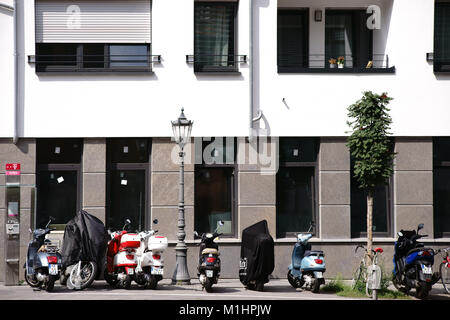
104	105
6	71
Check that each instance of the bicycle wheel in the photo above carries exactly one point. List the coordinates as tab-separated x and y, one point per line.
88	271
357	276
444	272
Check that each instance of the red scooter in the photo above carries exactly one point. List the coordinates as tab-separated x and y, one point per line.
121	257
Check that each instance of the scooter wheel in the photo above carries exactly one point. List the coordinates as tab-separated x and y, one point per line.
315	286
208	285
31	280
152	283
291	280
259	286
50	283
109	279
421	290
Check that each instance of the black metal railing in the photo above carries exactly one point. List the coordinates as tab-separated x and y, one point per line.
97	63
321	63
216	62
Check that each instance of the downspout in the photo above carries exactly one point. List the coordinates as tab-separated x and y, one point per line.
251	76
16	66
16	76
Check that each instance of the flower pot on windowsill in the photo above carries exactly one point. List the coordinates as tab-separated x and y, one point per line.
340	65
332	65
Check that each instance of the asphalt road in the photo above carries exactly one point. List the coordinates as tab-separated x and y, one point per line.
226	289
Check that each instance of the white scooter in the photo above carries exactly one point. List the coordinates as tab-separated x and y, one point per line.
150	263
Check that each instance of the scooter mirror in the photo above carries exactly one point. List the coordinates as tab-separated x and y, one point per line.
220	223
420	226
127	221
195	234
155	221
400	234
30	231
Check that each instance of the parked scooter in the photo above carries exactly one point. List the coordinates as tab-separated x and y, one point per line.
307	265
43	264
150	263
121	257
413	264
208	270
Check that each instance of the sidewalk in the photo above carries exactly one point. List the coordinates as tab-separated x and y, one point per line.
226	289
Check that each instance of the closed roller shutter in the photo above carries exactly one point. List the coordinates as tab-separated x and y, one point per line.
98	21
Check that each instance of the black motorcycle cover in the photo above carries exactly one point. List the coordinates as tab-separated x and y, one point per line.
257	253
85	239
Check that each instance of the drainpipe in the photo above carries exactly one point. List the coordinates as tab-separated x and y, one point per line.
250	135
16	66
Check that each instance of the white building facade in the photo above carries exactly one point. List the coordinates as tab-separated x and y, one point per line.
89	89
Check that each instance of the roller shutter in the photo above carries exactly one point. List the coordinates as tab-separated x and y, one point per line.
93	21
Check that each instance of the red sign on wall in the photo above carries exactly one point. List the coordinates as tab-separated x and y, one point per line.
12	169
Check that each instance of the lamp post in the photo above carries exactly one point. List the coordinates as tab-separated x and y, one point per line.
182	133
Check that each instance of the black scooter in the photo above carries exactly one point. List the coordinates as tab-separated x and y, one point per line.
43	264
209	261
413	264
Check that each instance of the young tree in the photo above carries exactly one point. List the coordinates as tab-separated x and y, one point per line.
371	148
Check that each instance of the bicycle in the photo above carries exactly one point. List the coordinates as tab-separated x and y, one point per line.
444	269
370	275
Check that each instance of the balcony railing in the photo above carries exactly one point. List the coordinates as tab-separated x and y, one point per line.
319	63
215	62
94	63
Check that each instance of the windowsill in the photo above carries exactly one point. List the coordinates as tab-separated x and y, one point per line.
335	70
225	72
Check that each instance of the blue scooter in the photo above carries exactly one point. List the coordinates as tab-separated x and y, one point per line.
413	264
43	264
307	265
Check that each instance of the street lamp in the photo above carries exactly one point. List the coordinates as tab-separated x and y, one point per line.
182	133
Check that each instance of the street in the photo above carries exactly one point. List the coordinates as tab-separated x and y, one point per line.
226	289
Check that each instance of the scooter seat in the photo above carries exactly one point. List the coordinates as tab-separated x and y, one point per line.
313	253
210	251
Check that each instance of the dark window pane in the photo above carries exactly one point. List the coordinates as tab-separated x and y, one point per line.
213	199
129	150
214	29
293	38
127	199
217	151
56	196
298	149
442	36
93	55
441	149
347	35
295	199
441	200
359	209
55	55
59	150
128	56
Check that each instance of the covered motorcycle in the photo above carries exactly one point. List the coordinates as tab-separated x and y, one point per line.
83	250
257	256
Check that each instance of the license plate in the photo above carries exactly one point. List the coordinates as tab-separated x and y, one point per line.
130	271
53	269
426	269
318	275
157	271
209	273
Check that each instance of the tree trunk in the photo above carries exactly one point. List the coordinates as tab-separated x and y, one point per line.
369	227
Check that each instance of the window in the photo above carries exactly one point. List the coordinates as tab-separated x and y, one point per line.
99	57
214	36
127	182
442	37
346	35
58	180
293	33
382	208
215	187
295	183
441	187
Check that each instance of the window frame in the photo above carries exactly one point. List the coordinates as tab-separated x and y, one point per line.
306	33
204	69
79	66
54	166
438	66
314	186
117	166
438	164
235	185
